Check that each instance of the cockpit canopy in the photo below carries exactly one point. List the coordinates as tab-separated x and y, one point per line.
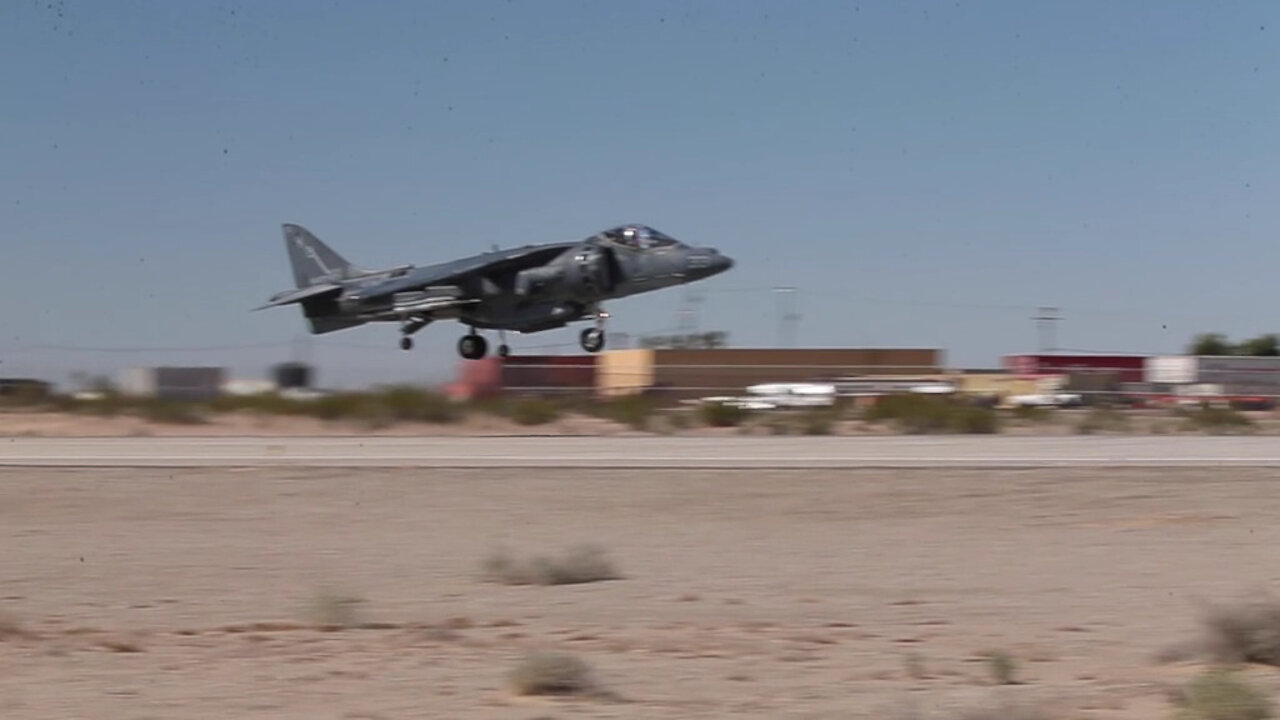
638	237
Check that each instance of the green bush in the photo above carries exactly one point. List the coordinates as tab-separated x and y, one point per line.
1102	419
718	414
1216	420
933	414
408	403
820	421
1032	413
1218	694
172	412
533	411
634	411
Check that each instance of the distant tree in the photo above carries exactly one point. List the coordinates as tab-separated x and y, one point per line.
706	341
1211	344
1264	345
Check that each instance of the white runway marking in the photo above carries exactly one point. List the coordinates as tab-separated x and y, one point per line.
644	452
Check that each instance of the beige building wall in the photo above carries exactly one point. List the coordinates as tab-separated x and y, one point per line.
624	372
1001	385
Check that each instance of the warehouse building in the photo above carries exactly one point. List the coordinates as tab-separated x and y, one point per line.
174	383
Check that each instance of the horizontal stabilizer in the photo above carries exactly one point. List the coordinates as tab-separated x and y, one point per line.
293	296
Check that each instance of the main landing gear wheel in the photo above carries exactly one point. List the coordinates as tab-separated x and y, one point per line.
473	346
504	350
406	343
592	340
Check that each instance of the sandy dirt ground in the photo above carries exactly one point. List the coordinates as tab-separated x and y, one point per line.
188	594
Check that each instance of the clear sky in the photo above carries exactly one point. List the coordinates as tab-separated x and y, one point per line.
925	173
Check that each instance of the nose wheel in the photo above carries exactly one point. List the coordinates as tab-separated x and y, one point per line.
406	343
592	339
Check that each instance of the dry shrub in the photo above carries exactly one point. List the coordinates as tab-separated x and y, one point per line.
580	564
1244	632
1218	694
533	411
331	610
10	626
1002	667
548	673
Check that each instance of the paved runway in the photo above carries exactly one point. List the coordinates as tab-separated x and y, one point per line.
646	452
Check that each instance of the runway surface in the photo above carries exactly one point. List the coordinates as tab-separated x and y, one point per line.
644	452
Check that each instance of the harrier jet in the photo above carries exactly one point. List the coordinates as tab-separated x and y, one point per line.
526	289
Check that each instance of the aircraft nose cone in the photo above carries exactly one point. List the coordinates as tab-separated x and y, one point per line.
706	262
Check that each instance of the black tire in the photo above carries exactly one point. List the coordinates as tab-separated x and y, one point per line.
592	340
472	347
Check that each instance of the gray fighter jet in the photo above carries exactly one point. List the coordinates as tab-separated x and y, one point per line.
526	289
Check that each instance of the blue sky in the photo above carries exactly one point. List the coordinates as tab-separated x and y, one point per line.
926	174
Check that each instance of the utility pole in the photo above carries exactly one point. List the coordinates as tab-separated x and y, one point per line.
1046	319
688	314
788	318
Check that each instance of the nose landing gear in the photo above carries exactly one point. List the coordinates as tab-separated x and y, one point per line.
592	339
408	328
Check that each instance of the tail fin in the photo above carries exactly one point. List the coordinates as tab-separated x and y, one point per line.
313	261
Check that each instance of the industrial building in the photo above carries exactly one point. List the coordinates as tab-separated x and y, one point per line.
174	383
207	383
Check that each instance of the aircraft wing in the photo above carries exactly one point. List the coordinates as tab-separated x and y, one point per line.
293	296
487	264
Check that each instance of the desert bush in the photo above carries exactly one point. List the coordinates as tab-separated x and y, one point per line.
678	420
718	414
1216	420
172	412
634	411
1102	419
1218	694
818	421
580	564
533	411
549	673
1001	666
915	413
331	610
10	625
1244	632
1032	413
408	403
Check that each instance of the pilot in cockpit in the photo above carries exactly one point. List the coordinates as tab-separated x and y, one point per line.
638	237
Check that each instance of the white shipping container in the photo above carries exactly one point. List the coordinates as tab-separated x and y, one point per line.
1170	369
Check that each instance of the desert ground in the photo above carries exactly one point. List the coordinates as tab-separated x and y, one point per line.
214	593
